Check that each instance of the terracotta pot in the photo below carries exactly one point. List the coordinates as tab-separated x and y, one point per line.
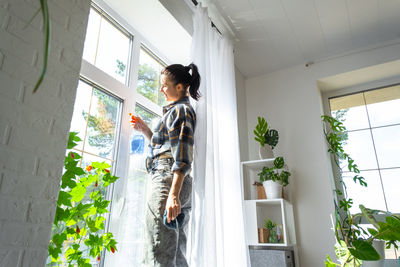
263	235
261	192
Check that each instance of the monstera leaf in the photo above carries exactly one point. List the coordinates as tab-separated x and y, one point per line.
271	138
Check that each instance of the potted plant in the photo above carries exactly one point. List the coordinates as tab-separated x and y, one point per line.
354	244
274	178
271	227
264	135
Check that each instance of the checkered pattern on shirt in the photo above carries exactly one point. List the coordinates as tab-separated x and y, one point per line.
175	132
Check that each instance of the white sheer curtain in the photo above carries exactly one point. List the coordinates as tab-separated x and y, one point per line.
216	233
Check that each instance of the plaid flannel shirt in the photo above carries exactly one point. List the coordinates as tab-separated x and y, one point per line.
174	132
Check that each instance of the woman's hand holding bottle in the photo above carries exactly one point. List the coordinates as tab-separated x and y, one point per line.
139	125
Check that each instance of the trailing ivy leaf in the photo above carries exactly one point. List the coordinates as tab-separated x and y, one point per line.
58	239
78	171
77	193
99	222
73	137
364	250
67	180
92	225
61	215
109	179
71	222
54	252
64	199
100	165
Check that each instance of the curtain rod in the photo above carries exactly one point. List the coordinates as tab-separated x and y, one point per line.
212	23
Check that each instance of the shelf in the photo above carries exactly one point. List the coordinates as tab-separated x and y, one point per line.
257	163
250	170
267	202
256	211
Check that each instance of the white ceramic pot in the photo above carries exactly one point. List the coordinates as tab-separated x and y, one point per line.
266	152
379	245
272	189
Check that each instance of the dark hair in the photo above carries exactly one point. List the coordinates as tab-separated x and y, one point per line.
178	73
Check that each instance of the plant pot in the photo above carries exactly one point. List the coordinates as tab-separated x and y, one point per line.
272	237
263	235
261	192
266	152
272	189
379	245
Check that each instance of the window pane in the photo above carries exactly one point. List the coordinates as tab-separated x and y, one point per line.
359	147
92	33
149	78
82	102
130	216
391	185
351	111
383	106
106	46
112	51
102	124
371	196
387	143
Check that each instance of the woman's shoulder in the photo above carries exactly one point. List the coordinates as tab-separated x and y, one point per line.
183	109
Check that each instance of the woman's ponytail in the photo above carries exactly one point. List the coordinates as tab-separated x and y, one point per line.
195	83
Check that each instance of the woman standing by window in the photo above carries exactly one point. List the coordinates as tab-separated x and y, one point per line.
169	200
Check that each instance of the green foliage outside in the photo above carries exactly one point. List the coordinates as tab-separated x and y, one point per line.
120	68
78	228
102	125
149	84
354	244
275	173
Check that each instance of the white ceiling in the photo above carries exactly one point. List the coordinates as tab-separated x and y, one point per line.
275	34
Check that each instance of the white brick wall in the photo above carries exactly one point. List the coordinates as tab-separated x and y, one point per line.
34	127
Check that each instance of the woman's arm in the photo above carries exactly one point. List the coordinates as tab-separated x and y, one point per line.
173	205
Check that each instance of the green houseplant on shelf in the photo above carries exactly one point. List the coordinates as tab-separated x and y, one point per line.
78	234
274	178
265	136
271	227
353	243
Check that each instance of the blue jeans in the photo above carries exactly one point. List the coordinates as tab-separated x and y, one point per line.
165	247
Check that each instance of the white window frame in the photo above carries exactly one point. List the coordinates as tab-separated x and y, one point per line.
373	85
126	92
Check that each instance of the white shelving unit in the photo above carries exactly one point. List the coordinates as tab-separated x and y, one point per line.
257	210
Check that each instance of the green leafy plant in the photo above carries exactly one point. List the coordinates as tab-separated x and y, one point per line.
78	227
263	135
268	224
354	244
275	173
271	226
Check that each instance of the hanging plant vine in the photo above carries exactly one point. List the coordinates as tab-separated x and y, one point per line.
46	46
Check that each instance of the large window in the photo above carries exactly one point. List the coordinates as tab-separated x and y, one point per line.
372	119
107	92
